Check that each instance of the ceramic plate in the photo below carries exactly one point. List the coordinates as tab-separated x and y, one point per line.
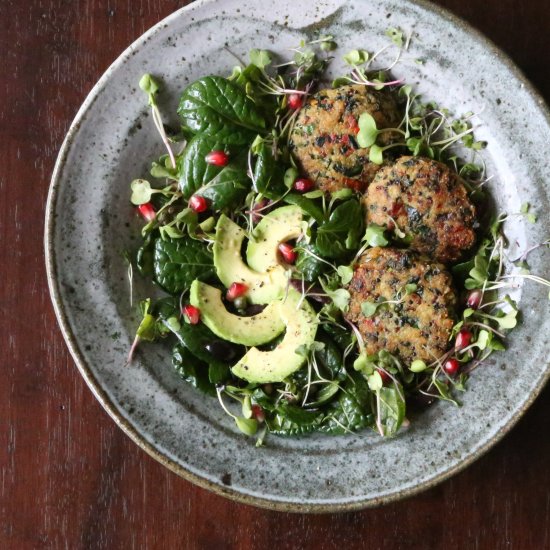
90	223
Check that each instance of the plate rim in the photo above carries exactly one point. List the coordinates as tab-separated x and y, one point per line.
111	407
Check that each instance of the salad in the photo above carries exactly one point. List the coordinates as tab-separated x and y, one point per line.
324	252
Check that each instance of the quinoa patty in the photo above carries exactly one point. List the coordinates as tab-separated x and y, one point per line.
419	325
428	201
323	140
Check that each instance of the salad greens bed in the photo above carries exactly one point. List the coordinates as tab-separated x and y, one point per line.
231	157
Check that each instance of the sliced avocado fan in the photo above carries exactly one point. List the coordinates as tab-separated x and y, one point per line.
280	225
262	367
263	286
249	331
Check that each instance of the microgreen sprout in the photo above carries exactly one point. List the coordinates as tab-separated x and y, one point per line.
151	87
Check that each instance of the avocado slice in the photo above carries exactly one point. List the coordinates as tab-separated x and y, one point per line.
249	331
262	287
282	224
262	367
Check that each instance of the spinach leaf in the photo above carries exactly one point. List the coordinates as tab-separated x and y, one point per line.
342	232
192	370
224	187
268	174
309	206
177	263
392	409
195	338
352	412
329	357
248	79
307	265
217	107
144	257
341	336
293	420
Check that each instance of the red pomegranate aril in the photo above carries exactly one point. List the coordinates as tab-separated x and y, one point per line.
147	211
258	413
451	366
463	339
288	253
474	299
198	204
236	290
384	375
295	101
192	313
217	158
303	185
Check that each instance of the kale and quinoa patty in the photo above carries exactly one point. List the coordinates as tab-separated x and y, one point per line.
418	324
323	140
428	201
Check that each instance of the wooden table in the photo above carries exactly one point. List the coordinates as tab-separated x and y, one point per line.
70	478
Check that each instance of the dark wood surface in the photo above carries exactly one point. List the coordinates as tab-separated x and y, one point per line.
69	477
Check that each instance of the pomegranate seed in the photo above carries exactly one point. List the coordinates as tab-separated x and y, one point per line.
295	101
236	290
463	339
474	299
451	366
303	185
192	313
217	158
258	413
198	203
288	253
384	375
147	211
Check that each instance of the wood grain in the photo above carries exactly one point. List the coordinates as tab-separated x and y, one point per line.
69	477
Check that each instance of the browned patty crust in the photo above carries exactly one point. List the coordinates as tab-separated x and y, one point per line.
419	325
323	140
428	201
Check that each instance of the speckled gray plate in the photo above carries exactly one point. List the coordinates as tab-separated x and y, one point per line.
90	223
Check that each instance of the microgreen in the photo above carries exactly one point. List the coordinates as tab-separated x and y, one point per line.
152	87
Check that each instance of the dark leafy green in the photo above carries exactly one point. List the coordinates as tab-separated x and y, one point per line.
293	420
177	263
352	411
308	265
192	370
392	409
309	206
195	338
214	106
342	232
224	187
268	174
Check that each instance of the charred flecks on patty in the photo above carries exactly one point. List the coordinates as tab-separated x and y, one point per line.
415	304
324	138
426	200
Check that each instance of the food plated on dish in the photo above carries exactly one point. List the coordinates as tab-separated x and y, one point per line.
91	225
329	256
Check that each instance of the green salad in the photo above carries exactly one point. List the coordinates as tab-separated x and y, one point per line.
323	250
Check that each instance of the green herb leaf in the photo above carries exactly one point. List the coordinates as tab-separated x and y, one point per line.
141	192
177	263
260	58
375	235
418	366
248	426
356	57
346	273
215	106
376	154
368	309
368	132
342	230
